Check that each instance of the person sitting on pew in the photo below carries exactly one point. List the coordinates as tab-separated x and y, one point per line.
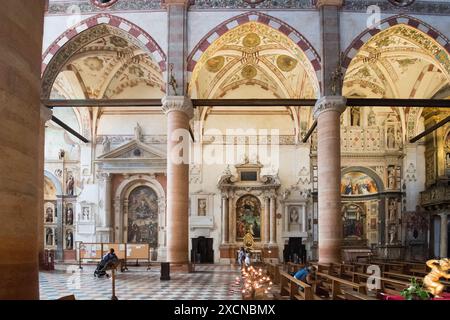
110	259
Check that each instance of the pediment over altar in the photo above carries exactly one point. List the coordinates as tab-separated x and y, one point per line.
133	156
248	177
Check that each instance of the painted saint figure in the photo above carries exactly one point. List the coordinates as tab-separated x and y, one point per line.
69	240
49	215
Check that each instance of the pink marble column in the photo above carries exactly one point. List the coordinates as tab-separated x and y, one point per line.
21	178
225	215
179	111
266	220
273	221
327	112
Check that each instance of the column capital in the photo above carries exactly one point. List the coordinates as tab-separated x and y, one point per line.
336	3
329	103
185	3
45	113
178	103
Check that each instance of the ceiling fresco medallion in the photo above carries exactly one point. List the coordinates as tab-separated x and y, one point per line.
254	1
402	3
215	64
103	3
249	72
286	63
251	40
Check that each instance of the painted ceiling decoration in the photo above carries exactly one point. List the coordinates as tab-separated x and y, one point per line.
402	3
108	67
256	55
400	62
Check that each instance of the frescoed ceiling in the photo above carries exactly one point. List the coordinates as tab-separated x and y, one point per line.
400	62
110	68
250	59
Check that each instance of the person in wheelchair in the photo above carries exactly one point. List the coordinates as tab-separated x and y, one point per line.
109	260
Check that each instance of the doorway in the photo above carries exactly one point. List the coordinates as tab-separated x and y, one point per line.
202	250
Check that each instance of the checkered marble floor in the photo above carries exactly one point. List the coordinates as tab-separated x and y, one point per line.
211	282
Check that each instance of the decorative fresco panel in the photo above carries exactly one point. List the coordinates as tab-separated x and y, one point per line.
143	216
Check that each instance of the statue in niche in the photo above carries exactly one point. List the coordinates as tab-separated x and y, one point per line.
391	177
355	117
61	154
69	240
106	145
393	234
70	184
138	132
392	210
202	207
49	215
390	138
49	237
69	216
85	214
371	121
448	160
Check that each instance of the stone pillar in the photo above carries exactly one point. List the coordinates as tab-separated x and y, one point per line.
273	221
444	236
177	46
266	220
45	115
225	235
21	178
330	44
327	113
107	198
179	111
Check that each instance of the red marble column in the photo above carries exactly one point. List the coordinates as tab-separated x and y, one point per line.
179	111
21	30
327	112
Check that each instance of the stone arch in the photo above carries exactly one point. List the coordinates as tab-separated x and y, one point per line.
122	193
255	16
63	47
409	117
387	23
55	181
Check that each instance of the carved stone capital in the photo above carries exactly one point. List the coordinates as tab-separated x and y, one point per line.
329	103
178	103
336	3
45	114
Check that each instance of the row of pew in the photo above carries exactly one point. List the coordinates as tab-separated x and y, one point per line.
371	280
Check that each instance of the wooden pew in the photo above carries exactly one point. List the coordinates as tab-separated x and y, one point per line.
408	277
295	289
273	270
293	267
387	285
353	295
335	285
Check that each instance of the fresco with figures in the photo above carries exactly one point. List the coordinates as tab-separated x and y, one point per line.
357	183
143	216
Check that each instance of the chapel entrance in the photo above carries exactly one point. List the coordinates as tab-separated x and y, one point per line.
202	250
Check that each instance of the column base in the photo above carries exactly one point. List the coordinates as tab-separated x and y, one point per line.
228	251
186	267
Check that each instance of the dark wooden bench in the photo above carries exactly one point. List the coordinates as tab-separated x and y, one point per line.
335	285
294	288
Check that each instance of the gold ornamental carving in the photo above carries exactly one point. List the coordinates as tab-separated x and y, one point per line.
439	269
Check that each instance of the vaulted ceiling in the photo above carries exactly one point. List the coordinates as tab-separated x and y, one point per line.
110	67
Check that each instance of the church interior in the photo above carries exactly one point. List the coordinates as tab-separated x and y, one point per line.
222	147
